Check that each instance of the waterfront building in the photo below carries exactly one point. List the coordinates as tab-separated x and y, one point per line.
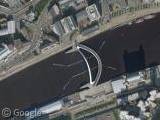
68	24
132	3
55	11
86	19
131	81
82	19
128	99
105	11
72	5
52	107
64	26
58	28
4	51
118	85
157	78
11	28
115	5
93	13
45	110
30	16
124	115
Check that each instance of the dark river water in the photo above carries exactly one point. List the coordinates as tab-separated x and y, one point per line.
125	49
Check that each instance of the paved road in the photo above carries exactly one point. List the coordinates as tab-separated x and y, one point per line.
22	10
5	10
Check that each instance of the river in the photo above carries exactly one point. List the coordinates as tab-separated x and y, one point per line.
125	49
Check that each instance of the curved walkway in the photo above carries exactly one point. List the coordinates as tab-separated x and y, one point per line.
83	47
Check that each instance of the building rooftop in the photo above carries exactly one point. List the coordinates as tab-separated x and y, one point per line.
55	11
68	24
94	92
115	5
4	51
64	26
72	4
87	16
131	81
134	2
52	107
118	85
82	19
11	28
93	13
58	28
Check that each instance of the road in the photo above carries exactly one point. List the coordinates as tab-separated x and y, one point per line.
5	10
22	10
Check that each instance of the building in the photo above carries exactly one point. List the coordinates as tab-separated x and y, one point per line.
106	17
45	110
52	107
64	26
11	28
4	51
132	3
14	3
55	11
88	16
72	5
30	16
93	13
115	5
118	85
82	19
128	99
58	28
68	24
124	115
131	81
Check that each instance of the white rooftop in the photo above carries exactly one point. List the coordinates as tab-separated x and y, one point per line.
4	52
11	28
93	12
118	85
50	108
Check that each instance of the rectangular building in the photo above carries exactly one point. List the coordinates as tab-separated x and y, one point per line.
4	51
11	28
64	26
93	13
86	17
67	5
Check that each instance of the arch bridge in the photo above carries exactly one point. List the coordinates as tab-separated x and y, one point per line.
80	47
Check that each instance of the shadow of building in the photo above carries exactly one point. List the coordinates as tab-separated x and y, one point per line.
135	60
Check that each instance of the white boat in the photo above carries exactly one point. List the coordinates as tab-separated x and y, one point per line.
139	20
129	23
149	17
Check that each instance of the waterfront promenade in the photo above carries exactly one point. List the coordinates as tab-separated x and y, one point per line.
117	20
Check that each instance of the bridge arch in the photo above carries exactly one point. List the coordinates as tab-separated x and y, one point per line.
97	78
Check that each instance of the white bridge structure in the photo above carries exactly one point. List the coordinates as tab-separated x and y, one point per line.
97	78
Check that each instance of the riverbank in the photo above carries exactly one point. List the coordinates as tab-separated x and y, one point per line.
63	74
115	22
